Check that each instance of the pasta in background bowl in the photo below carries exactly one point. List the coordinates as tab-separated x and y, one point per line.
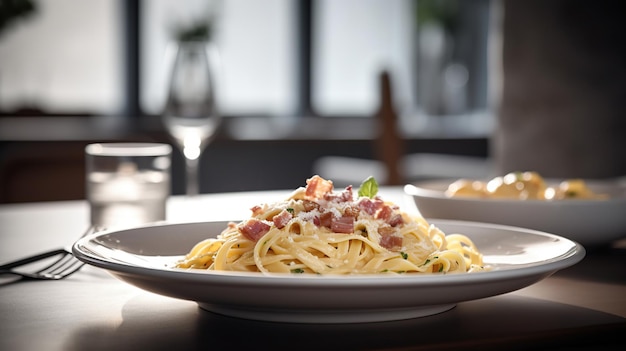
523	186
593	217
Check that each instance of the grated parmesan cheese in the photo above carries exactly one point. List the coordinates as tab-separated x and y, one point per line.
308	216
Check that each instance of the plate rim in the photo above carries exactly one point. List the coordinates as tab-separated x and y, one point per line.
335	299
574	255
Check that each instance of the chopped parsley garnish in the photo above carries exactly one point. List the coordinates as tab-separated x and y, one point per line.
428	261
369	187
404	255
297	270
290	210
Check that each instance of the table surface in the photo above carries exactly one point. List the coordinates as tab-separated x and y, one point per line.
581	307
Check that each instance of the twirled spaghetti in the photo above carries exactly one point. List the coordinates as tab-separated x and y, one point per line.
317	230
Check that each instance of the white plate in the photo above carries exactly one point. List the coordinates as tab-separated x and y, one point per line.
143	257
589	222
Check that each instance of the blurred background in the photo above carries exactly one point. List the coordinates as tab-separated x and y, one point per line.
400	89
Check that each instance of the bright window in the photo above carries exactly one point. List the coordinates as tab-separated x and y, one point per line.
66	57
69	56
354	40
254	38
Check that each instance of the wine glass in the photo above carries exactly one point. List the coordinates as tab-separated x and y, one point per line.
191	115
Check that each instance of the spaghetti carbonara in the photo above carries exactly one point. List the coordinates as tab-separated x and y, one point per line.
317	230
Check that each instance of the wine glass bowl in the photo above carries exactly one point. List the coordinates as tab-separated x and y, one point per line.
191	116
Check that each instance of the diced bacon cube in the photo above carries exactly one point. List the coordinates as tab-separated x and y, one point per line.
317	187
256	210
389	238
316	221
344	196
281	219
384	213
325	219
386	230
351	211
395	220
310	205
344	224
391	242
370	206
254	229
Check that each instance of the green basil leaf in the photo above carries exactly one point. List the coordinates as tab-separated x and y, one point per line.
369	187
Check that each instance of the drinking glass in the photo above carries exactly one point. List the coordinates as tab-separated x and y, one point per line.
127	183
191	115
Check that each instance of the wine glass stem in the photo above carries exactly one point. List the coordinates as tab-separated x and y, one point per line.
192	167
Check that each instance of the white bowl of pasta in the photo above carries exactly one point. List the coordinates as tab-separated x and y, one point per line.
592	221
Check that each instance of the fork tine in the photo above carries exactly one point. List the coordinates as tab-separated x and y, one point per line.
56	264
61	268
65	265
73	268
47	254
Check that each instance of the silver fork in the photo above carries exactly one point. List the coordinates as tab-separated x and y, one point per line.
64	266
